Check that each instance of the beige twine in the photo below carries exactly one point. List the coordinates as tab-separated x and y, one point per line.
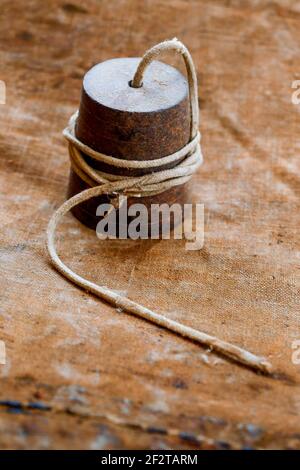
188	159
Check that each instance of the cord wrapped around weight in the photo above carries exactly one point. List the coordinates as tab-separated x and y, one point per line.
128	123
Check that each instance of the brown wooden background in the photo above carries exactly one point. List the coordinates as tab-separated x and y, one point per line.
79	374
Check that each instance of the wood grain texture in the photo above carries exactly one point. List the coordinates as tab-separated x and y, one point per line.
80	374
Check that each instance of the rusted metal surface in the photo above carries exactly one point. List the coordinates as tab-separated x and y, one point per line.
131	123
80	374
134	123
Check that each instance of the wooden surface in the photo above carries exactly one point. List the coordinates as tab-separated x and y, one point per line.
80	374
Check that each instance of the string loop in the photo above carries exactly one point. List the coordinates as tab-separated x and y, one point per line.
188	160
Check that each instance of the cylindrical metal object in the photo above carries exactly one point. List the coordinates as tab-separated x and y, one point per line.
129	123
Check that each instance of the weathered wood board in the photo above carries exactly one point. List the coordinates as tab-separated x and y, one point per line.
79	374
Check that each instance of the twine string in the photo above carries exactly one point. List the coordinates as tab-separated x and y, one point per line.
187	161
178	47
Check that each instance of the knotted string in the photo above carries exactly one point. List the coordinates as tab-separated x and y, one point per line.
188	160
